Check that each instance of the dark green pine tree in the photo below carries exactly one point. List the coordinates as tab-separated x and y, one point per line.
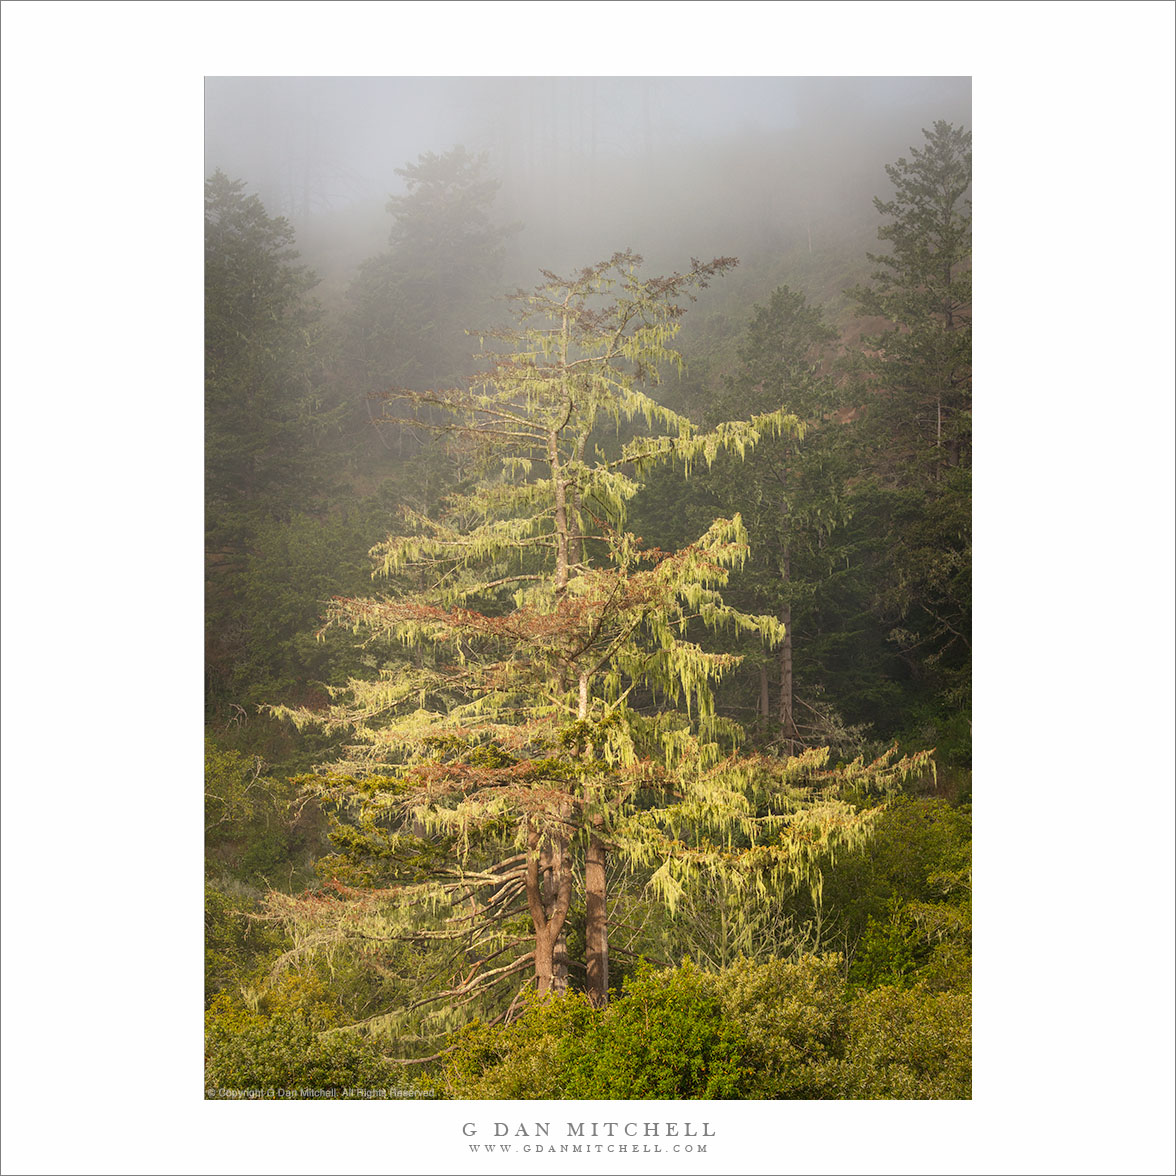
914	496
263	414
922	363
267	426
791	494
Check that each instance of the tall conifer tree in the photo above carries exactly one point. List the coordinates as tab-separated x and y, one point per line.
915	495
923	362
792	492
559	708
268	417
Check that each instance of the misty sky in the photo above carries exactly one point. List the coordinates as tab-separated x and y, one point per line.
354	131
671	166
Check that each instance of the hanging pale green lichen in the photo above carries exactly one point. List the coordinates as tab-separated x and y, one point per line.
534	621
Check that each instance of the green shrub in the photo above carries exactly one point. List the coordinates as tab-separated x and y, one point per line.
774	1030
673	1034
527	1059
890	952
793	1019
666	1037
250	1055
907	1044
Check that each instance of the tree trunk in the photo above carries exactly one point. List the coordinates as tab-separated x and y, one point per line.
595	890
787	714
787	717
552	865
596	933
543	962
561	513
548	919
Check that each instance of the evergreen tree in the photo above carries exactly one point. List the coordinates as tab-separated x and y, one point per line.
923	286
913	501
260	333
790	491
266	419
539	727
408	307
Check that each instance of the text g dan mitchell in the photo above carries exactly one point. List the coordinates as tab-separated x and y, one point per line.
601	1130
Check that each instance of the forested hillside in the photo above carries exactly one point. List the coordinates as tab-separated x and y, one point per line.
588	646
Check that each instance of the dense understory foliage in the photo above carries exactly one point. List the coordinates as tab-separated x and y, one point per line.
755	1030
